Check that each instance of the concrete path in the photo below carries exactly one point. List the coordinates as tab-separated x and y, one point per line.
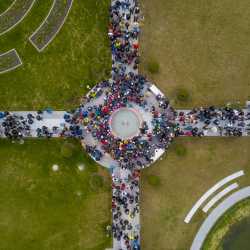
124	188
133	26
49	119
121	176
216	214
212	129
56	119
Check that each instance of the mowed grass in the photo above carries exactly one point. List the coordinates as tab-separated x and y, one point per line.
202	46
183	180
57	77
43	210
4	5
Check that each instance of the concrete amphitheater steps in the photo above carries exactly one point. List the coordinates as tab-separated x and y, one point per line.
9	61
17	11
51	25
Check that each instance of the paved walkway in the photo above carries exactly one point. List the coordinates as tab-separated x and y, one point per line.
126	198
56	119
54	122
216	214
133	26
121	176
217	126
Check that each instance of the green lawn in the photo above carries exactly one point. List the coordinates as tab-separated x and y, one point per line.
57	77
41	209
45	210
4	5
202	46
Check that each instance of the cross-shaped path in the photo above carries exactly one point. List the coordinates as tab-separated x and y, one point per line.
156	114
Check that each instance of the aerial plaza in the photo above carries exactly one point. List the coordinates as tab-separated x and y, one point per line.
126	124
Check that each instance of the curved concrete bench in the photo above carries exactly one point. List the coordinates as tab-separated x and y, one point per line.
220	195
17	11
52	24
216	214
210	192
9	61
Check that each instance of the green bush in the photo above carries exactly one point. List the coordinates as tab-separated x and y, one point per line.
153	67
182	95
67	150
96	182
92	167
180	150
154	180
236	105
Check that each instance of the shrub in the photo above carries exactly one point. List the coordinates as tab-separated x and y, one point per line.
154	180
180	150
96	182
67	150
92	167
236	105
153	67
182	95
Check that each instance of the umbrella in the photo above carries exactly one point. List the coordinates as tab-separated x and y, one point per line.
49	110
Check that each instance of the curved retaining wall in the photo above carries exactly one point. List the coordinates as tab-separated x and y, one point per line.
216	214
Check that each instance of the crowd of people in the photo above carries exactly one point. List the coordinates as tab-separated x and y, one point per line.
13	126
134	152
126	88
123	33
213	121
18	125
125	209
90	122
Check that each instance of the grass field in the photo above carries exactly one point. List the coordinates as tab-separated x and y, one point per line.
57	78
4	5
42	209
202	46
183	179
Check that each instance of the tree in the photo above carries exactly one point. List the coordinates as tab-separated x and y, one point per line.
67	150
180	150
153	66
154	180
182	95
